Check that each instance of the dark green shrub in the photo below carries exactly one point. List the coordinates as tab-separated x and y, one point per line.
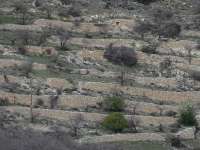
115	122
114	104
187	115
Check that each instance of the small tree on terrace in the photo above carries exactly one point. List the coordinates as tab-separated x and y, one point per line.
169	30
75	124
124	56
48	9
66	2
63	36
142	28
133	122
161	15
21	9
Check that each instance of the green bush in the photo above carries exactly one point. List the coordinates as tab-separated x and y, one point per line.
115	122
187	115
114	104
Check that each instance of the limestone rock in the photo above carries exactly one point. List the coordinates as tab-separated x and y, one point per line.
187	133
84	71
59	83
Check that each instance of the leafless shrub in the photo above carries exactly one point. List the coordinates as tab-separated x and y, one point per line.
123	56
169	30
166	67
143	27
54	101
63	36
196	75
174	141
25	37
133	122
46	32
75	11
75	124
48	9
66	2
40	103
161	15
21	9
4	102
26	68
21	49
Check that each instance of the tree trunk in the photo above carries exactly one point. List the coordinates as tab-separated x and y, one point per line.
31	103
23	18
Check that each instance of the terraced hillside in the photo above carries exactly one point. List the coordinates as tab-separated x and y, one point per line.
54	74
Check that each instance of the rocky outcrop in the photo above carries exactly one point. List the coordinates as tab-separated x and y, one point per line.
186	134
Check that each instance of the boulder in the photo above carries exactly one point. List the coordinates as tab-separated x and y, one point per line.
59	83
187	133
37	66
84	71
49	51
50	91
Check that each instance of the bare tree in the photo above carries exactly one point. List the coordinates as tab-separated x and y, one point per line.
5	76
123	56
189	49
63	36
21	9
66	2
133	121
46	32
166	67
26	68
53	101
25	37
31	101
160	108
143	27
75	124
